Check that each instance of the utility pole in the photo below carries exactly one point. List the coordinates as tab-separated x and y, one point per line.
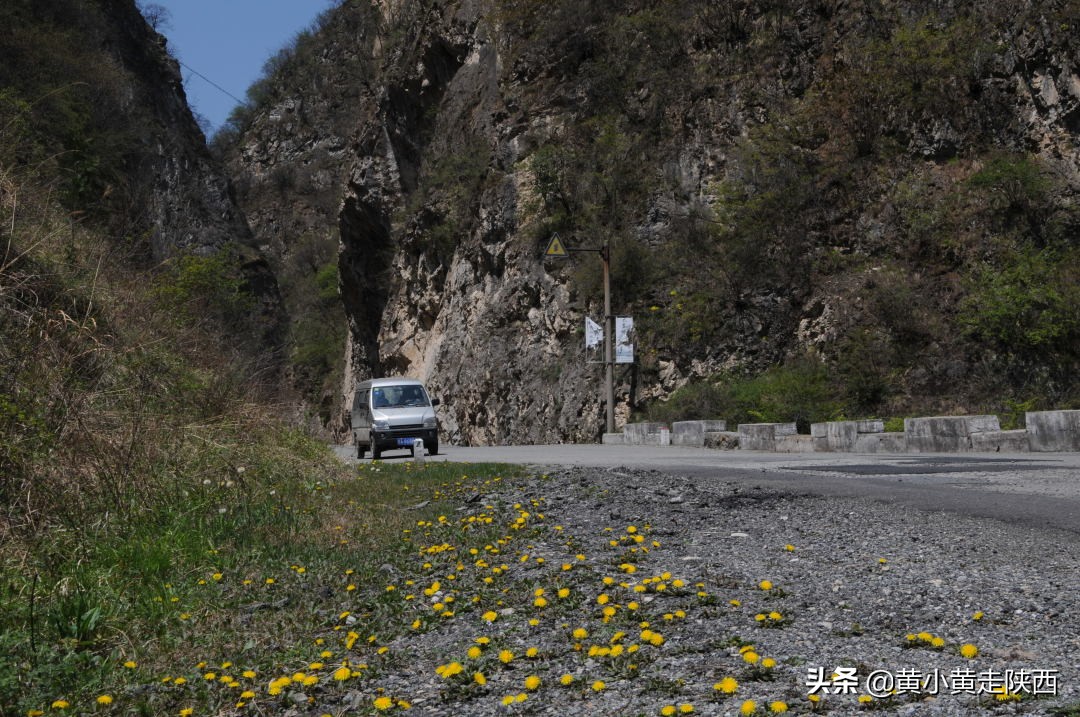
609	341
557	248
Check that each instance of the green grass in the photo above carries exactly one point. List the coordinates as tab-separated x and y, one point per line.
250	570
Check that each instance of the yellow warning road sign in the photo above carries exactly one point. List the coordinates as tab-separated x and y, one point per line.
555	247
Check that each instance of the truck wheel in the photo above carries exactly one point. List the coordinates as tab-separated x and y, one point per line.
376	453
360	450
433	449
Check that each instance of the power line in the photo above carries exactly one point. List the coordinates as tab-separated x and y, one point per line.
230	94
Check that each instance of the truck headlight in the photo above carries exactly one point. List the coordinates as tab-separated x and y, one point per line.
380	425
430	422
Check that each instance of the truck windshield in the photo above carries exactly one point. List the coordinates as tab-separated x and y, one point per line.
398	397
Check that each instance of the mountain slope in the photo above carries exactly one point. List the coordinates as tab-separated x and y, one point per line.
875	203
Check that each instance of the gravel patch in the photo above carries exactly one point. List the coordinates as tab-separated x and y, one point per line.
852	587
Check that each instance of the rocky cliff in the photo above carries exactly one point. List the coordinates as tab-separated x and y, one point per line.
90	96
887	192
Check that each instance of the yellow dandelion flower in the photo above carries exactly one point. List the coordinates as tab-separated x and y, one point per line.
750	657
937	642
60	705
778	707
668	710
342	673
490	616
968	650
566	680
726	686
506	657
765	585
978	616
580	633
865	699
382	703
532	682
478	678
104	700
747	708
449	670
603	599
598	686
686	708
508	700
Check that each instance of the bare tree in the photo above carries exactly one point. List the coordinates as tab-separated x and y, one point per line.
156	15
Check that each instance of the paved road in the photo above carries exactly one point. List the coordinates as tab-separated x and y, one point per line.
1034	489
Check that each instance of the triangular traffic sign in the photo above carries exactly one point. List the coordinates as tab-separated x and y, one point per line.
555	247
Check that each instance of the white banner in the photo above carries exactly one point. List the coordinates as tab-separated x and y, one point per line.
594	334
624	334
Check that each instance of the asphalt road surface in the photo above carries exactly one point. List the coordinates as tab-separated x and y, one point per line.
1040	490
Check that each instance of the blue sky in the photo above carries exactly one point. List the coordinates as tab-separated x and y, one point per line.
228	41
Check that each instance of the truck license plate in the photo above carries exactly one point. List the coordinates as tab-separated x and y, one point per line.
405	441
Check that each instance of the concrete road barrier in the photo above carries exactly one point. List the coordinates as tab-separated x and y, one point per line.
1000	442
794	444
946	434
1053	430
881	443
842	435
1046	431
763	436
642	434
692	433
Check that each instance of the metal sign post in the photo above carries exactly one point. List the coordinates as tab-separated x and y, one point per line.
609	343
557	248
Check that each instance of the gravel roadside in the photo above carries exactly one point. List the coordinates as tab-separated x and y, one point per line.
852	587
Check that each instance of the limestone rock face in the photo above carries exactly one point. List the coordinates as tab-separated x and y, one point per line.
478	317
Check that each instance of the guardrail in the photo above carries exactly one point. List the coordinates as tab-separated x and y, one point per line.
1045	431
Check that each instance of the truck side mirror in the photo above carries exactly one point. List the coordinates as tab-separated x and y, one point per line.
434	402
